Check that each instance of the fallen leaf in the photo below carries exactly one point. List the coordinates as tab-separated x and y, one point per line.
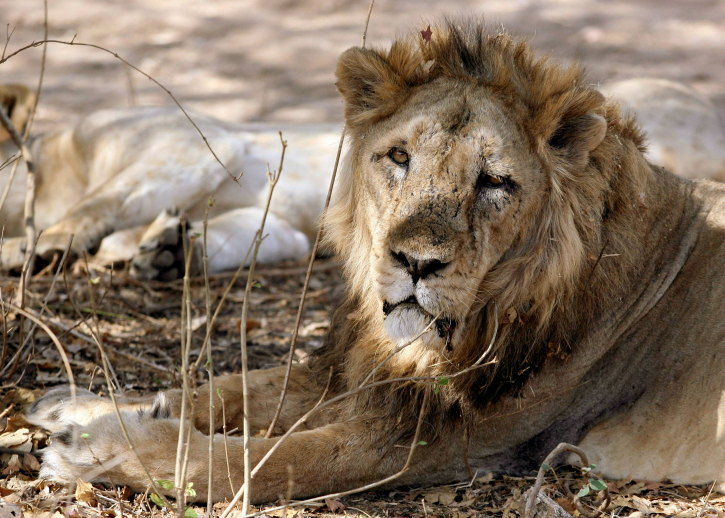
14	465
426	34
566	504
18	440
442	496
84	492
641	504
334	505
30	462
635	489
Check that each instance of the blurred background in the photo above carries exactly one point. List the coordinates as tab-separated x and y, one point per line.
274	60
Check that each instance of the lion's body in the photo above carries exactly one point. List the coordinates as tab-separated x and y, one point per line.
576	292
685	134
121	169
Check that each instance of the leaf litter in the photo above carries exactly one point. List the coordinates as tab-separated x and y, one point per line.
140	323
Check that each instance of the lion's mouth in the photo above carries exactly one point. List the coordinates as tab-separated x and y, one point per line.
444	325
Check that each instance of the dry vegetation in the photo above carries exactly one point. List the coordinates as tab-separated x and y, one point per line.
140	326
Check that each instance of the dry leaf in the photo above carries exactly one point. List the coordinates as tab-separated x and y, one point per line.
14	465
635	489
442	496
19	440
334	505
30	462
84	492
566	504
641	504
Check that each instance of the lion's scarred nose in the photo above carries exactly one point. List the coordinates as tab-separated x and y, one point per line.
417	268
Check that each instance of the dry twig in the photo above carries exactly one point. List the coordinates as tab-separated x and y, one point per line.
548	461
72	43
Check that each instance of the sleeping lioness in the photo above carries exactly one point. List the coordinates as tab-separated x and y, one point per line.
518	274
123	169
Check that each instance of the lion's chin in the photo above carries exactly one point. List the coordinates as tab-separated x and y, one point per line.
407	322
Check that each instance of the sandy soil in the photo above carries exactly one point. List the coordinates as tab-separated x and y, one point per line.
274	60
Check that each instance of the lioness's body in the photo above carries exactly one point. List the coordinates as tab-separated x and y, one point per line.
577	290
120	169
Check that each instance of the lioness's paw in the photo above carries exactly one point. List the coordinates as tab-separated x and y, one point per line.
56	409
68	455
12	254
160	256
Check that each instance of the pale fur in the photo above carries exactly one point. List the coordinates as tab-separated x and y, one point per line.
116	170
526	217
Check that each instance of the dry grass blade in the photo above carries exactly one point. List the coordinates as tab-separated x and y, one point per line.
209	364
273	179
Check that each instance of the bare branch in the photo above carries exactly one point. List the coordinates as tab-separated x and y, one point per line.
72	42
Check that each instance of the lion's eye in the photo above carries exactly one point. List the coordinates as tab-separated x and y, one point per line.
488	181
398	156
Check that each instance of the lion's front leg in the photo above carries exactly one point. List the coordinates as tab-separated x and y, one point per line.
331	458
265	386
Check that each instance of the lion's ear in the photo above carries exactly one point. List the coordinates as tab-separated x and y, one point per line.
578	124
17	101
369	85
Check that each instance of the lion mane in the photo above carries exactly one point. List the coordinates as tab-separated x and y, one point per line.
553	276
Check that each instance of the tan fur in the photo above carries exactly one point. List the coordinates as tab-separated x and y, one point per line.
116	170
525	205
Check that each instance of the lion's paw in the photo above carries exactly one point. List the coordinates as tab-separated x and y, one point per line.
160	256
98	450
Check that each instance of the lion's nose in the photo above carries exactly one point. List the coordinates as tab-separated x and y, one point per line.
418	268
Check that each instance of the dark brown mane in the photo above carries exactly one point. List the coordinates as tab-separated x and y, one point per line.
553	275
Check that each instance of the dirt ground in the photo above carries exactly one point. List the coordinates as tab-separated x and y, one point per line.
273	61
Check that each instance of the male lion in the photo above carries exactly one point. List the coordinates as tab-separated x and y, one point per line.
497	193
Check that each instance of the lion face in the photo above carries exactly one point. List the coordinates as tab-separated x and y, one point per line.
469	187
445	184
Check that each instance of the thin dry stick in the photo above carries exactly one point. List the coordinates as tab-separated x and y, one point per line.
49	332
273	179
42	308
210	327
72	43
8	35
707	499
226	447
181	453
209	366
548	461
313	254
33	111
106	365
24	278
